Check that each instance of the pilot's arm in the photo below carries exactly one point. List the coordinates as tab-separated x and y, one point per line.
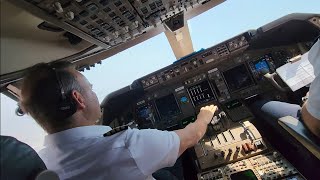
153	149
191	134
311	109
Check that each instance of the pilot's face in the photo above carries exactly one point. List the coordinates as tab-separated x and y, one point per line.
92	107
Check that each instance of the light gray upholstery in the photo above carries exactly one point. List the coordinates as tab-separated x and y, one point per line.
301	133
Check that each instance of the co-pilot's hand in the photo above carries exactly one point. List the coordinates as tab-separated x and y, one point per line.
206	113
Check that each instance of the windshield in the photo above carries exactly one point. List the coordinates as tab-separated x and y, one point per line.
216	25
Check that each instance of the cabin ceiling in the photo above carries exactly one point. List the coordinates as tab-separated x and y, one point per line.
79	31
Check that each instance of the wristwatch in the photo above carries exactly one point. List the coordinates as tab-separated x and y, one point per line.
304	99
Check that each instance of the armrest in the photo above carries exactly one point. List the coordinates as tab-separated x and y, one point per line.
299	132
47	175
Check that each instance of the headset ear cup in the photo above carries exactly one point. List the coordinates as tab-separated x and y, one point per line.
67	107
73	106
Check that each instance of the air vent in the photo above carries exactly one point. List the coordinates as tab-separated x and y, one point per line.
206	54
222	50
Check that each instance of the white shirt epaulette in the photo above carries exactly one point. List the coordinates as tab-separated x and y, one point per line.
116	130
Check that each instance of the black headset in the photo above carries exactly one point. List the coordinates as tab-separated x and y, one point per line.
66	105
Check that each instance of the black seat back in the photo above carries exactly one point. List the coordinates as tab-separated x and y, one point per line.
18	160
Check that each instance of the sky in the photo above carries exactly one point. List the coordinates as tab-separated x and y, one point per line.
216	25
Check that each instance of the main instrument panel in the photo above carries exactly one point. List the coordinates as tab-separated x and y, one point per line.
228	75
176	93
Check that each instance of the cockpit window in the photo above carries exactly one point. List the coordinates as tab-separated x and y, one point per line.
212	27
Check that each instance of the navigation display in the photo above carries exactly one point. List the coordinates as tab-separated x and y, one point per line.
261	65
145	113
167	107
238	78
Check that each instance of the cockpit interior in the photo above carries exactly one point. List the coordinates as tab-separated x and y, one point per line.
233	74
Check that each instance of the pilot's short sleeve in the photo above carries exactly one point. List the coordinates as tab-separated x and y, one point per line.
313	103
152	149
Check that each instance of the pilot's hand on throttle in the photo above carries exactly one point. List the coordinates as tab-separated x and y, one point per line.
206	113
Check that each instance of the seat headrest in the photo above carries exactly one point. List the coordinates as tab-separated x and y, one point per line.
18	160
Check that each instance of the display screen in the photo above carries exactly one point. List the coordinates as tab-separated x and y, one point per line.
144	113
188	120
167	106
261	65
238	78
201	93
233	104
244	175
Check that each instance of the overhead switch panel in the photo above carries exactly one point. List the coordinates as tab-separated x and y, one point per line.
108	23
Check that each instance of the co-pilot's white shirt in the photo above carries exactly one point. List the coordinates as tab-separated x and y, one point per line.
313	103
83	153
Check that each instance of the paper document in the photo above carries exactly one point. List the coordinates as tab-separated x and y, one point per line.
297	74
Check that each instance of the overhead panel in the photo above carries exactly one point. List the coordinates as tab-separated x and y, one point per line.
109	23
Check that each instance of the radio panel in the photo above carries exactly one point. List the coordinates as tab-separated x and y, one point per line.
263	167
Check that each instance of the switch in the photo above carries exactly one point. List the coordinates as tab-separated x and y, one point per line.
92	7
245	148
70	15
57	6
258	144
251	147
222	153
248	147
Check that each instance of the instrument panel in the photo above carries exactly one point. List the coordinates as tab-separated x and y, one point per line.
226	83
229	75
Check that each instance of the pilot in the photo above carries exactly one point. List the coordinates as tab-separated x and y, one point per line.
62	102
309	113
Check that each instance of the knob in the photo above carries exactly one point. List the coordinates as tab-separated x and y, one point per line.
57	6
244	163
69	15
230	150
222	153
275	155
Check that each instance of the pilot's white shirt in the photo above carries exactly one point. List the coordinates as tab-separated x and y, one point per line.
83	153
313	103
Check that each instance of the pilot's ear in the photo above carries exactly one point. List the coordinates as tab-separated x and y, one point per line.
78	99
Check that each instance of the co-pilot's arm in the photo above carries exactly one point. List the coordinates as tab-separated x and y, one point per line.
311	109
311	122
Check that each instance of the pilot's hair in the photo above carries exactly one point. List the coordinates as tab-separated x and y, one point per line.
41	94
